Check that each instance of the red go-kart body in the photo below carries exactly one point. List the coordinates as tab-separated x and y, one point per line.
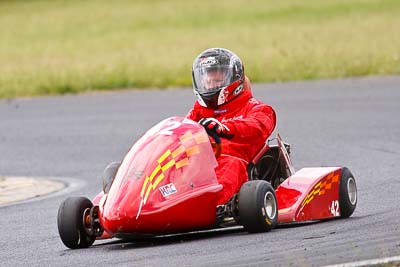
166	183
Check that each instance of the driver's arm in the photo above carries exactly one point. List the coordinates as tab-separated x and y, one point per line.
260	122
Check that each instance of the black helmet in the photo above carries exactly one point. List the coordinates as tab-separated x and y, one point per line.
217	76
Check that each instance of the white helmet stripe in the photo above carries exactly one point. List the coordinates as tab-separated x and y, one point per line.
200	99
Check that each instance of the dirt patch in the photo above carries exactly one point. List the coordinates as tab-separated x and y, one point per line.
16	189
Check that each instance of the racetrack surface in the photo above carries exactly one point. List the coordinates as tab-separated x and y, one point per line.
352	122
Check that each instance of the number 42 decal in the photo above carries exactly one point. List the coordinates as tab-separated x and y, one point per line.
334	208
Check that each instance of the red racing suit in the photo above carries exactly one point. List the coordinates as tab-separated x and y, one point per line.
251	122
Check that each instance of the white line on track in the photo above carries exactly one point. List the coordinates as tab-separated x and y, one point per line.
368	262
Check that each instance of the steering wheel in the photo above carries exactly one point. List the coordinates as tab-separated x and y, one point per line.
217	145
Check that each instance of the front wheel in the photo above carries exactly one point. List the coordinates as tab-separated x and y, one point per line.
258	207
347	193
72	223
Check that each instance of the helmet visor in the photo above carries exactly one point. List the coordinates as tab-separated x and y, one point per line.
210	80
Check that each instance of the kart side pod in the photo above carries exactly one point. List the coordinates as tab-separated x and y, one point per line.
317	193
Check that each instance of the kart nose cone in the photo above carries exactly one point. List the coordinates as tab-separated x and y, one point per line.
130	215
120	214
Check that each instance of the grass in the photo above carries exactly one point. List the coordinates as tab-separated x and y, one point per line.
56	47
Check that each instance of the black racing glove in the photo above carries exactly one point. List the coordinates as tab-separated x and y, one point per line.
212	125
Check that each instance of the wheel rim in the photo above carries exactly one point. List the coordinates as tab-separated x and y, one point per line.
270	205
86	222
352	190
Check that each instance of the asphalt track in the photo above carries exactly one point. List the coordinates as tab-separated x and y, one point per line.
352	122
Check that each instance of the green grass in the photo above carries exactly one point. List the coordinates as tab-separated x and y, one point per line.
55	47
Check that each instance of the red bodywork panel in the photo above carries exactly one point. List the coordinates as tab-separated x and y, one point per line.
309	194
167	184
158	189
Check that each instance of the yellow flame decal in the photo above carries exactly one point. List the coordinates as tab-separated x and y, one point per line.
148	184
321	187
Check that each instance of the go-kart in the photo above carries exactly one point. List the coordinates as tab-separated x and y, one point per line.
166	184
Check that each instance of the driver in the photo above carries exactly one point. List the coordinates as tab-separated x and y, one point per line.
226	106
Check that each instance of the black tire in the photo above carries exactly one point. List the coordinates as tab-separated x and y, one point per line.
109	174
347	193
258	207
70	223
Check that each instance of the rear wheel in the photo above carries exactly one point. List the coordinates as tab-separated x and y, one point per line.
347	193
73	222
258	208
